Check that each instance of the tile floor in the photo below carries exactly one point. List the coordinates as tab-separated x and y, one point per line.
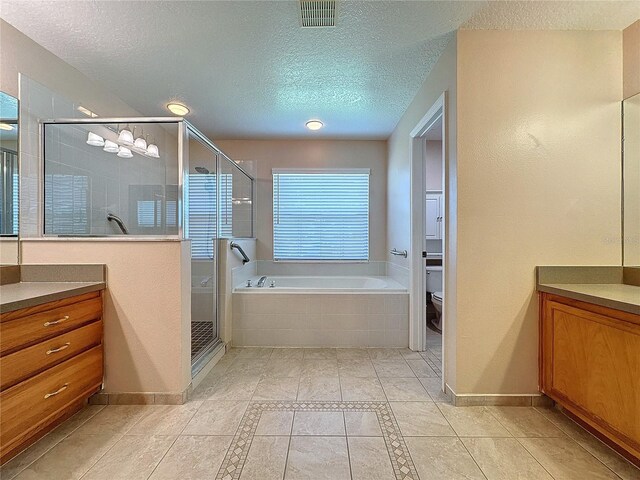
318	414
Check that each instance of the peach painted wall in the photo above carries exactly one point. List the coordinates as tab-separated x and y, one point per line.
259	157
631	43
146	322
539	184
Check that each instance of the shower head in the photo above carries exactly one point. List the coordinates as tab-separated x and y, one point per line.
202	170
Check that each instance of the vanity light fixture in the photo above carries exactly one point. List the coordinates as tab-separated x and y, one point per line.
125	136
178	109
5	126
124	152
314	125
111	147
122	146
95	140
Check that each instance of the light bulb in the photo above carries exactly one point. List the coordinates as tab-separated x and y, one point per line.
110	147
125	137
95	140
124	152
314	124
152	151
140	143
178	109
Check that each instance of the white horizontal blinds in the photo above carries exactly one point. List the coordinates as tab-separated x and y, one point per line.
16	202
202	212
66	204
146	213
321	214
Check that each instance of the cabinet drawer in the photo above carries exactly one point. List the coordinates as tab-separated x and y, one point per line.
31	405
31	329
29	361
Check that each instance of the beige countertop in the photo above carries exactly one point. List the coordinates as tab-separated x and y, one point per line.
612	295
15	296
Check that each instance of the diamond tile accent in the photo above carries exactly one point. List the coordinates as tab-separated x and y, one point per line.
236	456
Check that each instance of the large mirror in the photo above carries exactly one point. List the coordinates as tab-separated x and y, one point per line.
9	179
631	182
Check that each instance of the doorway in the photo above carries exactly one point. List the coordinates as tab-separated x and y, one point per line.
428	236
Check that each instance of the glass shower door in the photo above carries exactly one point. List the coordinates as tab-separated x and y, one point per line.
202	229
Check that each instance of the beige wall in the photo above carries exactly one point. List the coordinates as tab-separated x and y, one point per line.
631	174
538	182
146	323
433	164
442	78
631	42
259	157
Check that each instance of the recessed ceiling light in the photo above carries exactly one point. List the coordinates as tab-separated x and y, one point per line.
314	124
178	109
6	126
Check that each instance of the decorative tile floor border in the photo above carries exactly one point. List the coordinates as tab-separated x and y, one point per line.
238	451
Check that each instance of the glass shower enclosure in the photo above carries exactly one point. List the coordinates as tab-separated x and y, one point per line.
149	179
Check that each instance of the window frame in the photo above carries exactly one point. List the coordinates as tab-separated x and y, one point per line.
312	171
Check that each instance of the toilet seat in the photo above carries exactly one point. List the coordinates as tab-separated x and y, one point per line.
437	296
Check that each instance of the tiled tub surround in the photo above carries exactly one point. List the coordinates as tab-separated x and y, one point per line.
351	421
267	317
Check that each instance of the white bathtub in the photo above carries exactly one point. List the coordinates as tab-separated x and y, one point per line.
333	284
336	311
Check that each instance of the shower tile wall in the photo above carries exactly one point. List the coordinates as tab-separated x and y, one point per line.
320	320
112	182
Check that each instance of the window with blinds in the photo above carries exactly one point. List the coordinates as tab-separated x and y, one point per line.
202	212
321	215
66	204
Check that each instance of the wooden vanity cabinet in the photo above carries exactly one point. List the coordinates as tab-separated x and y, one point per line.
51	361
590	364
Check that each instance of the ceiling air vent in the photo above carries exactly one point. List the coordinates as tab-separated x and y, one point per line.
320	13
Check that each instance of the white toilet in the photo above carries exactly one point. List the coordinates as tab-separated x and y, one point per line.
434	285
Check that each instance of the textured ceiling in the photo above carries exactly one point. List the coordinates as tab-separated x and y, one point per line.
247	69
555	15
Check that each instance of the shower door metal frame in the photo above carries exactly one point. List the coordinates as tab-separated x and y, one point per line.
186	129
198	362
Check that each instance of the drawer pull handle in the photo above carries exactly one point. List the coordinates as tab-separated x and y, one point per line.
59	349
60	390
56	322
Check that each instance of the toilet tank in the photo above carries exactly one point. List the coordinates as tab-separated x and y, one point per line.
434	279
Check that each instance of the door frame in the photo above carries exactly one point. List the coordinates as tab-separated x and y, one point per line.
417	280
